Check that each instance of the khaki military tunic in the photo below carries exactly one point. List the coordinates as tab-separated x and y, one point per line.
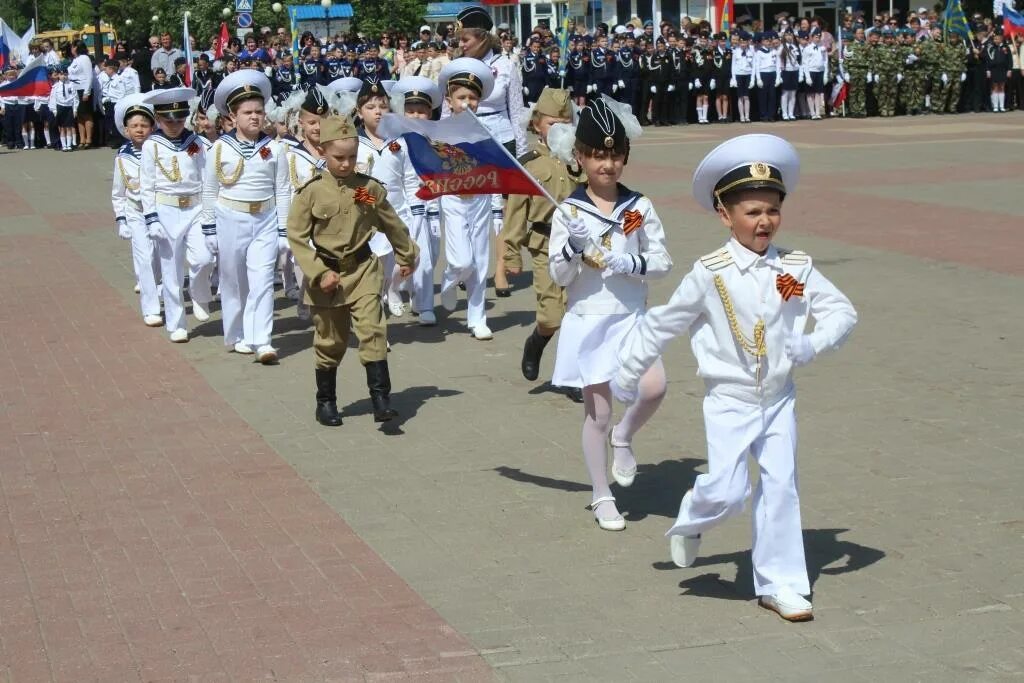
528	223
330	225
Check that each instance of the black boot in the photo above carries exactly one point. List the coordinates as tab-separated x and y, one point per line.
378	380
532	351
326	399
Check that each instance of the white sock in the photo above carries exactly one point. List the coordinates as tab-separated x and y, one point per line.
598	413
46	135
24	139
819	104
1002	101
63	141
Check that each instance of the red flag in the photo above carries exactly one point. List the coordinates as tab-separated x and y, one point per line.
839	92
222	41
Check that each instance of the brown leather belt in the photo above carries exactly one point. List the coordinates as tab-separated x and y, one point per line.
345	262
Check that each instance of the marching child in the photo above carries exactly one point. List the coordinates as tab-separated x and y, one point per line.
746	308
603	255
331	222
134	120
171	190
528	221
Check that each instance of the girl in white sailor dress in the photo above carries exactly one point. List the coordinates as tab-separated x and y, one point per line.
246	195
134	120
603	253
171	190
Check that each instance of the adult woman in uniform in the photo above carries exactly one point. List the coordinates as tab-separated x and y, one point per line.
81	75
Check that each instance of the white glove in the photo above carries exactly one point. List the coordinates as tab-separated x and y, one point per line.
963	77
622	84
988	74
496	224
526	91
899	78
282	244
870	78
758	83
620	393
945	79
211	243
671	87
269	71
123	231
696	82
156	231
800	350
618	263
561	74
578	233
878	79
711	84
778	80
654	88
732	82
911	58
592	88
691	86
615	87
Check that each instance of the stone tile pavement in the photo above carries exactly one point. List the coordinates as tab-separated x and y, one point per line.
467	514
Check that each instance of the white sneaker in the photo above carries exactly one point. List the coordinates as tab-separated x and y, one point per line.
200	312
428	319
179	336
449	299
266	354
294	294
788	604
482	333
138	290
396	307
302	311
242	348
152	320
684	549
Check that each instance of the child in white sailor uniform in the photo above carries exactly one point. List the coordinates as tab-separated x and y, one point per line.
742	73
746	308
246	195
134	120
604	253
465	82
201	118
414	97
171	188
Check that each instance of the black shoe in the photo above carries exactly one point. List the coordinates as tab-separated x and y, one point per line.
378	381
575	394
326	399
503	293
532	351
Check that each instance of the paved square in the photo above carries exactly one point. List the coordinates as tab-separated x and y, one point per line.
172	513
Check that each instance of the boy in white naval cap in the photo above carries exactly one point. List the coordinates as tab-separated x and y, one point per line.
171	189
746	308
246	194
134	121
467	218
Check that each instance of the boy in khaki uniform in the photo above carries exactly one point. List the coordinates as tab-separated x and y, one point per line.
528	223
332	218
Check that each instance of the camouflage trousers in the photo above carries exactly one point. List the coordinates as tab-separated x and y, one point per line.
858	93
954	94
912	91
940	93
885	92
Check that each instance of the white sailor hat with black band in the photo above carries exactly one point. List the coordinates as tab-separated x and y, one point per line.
748	162
468	73
172	103
418	90
129	106
240	86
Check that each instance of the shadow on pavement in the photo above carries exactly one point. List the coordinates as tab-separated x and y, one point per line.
407	402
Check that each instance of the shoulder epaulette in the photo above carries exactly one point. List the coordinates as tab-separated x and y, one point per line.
528	157
309	182
717	260
795	258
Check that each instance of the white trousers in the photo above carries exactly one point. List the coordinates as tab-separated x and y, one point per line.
186	243
769	434
247	247
422	280
144	261
467	249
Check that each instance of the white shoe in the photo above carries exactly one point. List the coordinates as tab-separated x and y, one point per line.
294	294
482	333
622	477
179	336
138	289
242	348
616	523
684	549
396	307
152	320
428	319
200	312
788	604
302	311
449	299
266	354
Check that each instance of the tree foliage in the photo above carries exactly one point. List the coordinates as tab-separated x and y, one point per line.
374	17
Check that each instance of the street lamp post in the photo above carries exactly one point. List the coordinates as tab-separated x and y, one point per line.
98	37
326	4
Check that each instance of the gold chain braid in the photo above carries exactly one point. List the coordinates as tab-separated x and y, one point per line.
756	346
226	180
293	174
124	177
175	175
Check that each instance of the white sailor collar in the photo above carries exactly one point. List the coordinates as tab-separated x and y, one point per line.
179	145
232	141
290	141
128	151
364	139
626	200
299	150
744	258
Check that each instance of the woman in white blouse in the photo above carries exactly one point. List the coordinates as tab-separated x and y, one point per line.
81	74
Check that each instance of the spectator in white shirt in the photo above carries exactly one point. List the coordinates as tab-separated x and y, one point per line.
163	58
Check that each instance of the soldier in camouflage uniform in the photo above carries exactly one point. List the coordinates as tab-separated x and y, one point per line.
956	68
888	73
858	72
912	87
934	54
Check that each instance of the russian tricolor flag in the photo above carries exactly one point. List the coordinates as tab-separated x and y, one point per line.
33	81
457	155
1013	23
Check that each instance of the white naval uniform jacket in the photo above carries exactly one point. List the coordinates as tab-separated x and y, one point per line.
766	60
374	161
161	151
814	58
593	291
750	281
742	61
264	177
125	193
302	165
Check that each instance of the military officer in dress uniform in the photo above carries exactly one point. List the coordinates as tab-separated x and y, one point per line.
535	72
282	79
331	222
204	78
171	183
